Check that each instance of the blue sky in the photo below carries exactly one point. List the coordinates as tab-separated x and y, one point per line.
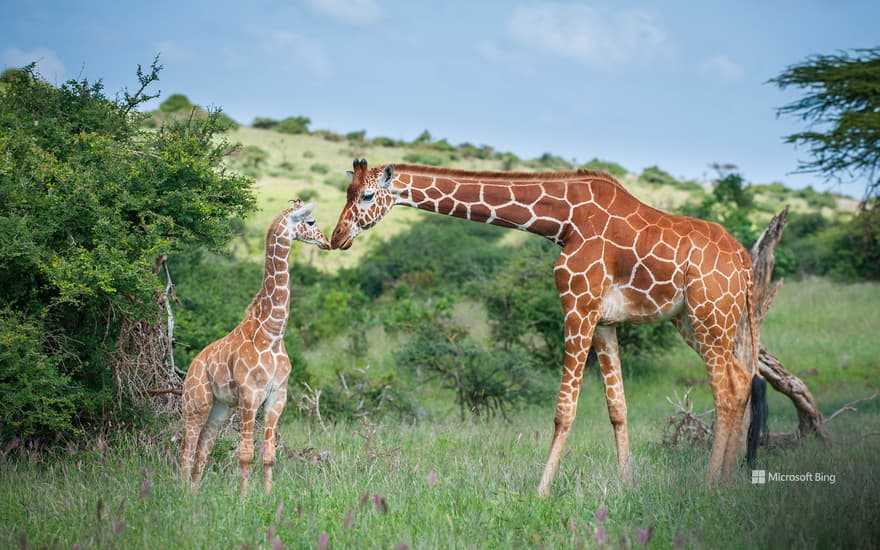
675	84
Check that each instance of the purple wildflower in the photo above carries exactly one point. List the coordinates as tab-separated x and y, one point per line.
601	514
323	541
644	535
432	478
380	504
348	519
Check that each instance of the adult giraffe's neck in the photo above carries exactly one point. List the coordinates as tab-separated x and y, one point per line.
532	202
271	305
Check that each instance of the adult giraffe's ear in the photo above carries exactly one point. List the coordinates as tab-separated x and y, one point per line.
387	176
350	174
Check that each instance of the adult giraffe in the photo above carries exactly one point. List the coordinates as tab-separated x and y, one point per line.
249	366
621	261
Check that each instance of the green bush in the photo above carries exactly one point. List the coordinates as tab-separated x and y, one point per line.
382	141
653	175
88	203
294	125
264	122
549	162
176	103
319	168
486	380
454	251
427	157
612	168
249	159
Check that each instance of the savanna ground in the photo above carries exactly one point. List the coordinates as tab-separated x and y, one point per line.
451	484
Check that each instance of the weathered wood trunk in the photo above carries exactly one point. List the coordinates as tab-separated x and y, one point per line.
810	420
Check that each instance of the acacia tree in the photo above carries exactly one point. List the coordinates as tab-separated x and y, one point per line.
89	202
842	109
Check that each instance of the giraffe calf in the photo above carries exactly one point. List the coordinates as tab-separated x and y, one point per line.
249	366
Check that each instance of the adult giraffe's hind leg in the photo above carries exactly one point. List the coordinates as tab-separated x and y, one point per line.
712	336
605	344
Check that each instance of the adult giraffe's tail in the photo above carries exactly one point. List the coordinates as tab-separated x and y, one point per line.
759	410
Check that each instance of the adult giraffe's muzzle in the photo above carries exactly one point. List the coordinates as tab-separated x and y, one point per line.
342	236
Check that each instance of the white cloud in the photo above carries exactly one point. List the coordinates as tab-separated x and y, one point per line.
291	46
723	67
348	11
588	35
48	64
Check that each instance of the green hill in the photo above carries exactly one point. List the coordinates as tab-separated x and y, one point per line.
312	166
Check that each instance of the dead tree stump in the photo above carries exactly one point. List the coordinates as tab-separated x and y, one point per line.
810	420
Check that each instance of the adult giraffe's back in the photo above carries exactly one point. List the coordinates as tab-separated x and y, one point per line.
621	261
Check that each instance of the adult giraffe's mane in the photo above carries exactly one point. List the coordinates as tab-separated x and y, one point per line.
512	177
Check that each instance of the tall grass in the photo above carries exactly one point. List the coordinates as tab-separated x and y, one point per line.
448	484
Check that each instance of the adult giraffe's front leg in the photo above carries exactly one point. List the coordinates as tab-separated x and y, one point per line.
579	325
605	344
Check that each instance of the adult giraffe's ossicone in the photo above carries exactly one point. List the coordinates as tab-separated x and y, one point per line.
621	261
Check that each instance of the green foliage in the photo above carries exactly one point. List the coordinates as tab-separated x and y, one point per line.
319	168
817	200
427	157
294	125
523	303
486	380
357	136
852	250
508	160
549	162
176	103
358	394
842	110
249	160
444	252
306	194
424	137
87	206
729	204
383	141
653	175
329	135
265	123
612	168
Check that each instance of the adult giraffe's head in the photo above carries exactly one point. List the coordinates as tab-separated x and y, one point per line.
299	225
370	196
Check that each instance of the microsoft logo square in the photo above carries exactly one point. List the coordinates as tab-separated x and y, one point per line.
759	477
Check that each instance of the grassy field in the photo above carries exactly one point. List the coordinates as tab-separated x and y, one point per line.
448	484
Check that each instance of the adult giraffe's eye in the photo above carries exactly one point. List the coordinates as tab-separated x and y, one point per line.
310	222
369	196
